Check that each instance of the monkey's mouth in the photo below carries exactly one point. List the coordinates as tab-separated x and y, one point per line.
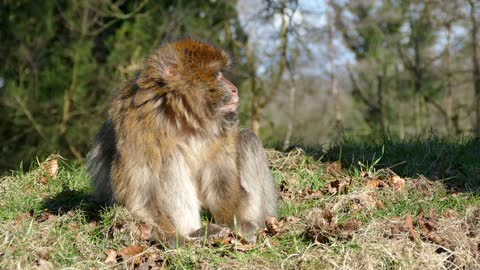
230	107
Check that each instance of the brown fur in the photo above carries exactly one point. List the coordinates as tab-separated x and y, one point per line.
171	145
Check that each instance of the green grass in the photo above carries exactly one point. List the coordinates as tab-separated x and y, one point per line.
48	220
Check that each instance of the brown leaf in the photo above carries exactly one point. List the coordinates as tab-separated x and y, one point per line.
130	251
239	246
314	195
426	224
351	225
42	265
328	215
51	167
432	214
22	217
336	186
143	231
373	183
379	204
398	183
45	216
111	256
334	167
271	223
409	225
395	231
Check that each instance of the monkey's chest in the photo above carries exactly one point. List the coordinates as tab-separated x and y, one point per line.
213	170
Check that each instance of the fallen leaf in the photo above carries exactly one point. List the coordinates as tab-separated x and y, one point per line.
379	204
328	215
45	216
42	265
398	183
243	246
314	195
336	186
130	251
111	256
409	225
51	167
350	225
426	224
272	226
373	183
334	167
143	231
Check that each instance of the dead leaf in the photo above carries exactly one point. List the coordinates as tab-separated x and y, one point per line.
314	195
379	204
337	186
426	224
272	226
42	265
22	217
143	231
409	225
239	246
432	214
51	167
373	183
350	225
130	251
45	216
328	215
334	167
398	183
111	256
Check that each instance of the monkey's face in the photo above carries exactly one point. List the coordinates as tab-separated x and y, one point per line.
193	71
223	97
218	98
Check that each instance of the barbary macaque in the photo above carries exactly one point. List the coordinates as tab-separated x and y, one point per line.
171	146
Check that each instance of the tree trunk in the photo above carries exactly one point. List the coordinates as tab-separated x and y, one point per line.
333	79
476	66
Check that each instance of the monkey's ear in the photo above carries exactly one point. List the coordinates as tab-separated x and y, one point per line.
216	66
169	72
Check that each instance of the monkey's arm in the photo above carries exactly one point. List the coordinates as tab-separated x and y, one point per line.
256	179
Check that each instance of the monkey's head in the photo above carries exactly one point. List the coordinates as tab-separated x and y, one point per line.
193	71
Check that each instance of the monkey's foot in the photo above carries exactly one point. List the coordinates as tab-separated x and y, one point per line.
211	231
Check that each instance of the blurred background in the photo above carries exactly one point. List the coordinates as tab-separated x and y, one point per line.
308	71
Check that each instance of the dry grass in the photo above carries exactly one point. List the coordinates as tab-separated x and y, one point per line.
329	218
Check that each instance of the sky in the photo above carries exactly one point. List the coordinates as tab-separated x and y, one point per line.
309	21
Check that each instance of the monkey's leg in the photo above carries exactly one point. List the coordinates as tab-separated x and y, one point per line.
256	179
164	197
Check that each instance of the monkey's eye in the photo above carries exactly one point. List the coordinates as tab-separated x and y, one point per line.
211	90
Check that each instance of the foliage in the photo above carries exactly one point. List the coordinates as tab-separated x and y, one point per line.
62	60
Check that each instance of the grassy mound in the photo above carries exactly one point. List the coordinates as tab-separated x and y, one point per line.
355	206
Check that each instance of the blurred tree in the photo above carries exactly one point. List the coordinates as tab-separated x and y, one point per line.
475	21
61	60
365	26
261	97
